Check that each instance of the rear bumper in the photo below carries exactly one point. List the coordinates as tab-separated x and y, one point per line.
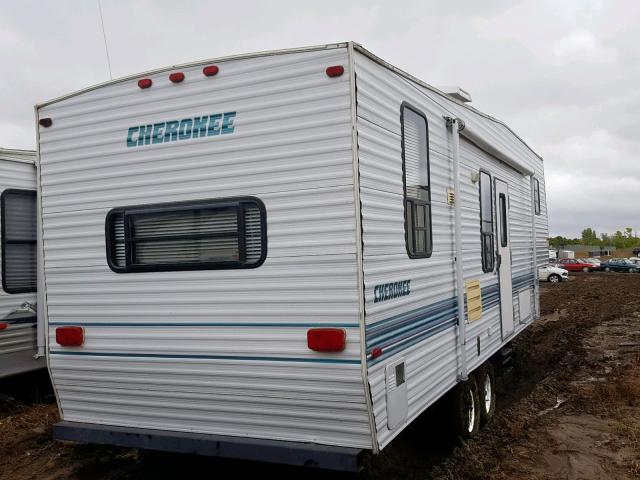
272	451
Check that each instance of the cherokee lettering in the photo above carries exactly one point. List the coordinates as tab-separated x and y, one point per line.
389	291
185	129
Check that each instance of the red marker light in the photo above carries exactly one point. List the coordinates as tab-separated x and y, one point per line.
45	122
3	326
145	83
210	71
376	352
335	71
176	77
70	336
326	339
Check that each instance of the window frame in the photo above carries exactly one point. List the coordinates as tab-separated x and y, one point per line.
536	196
209	204
504	228
4	241
492	235
414	202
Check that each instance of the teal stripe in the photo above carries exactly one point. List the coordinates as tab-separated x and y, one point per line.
204	357
217	324
405	331
451	323
391	322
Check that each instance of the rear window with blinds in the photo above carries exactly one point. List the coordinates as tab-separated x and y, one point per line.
417	184
18	227
211	234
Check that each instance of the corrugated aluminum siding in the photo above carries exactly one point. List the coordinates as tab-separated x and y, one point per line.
216	351
421	327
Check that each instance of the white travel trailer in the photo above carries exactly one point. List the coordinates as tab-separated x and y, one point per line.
18	319
266	256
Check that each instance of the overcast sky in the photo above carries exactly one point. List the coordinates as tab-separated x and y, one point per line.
565	75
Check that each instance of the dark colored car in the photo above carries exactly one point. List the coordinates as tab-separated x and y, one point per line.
576	265
619	265
636	251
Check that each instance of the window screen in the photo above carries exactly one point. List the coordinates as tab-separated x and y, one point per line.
486	222
227	233
536	196
18	225
417	187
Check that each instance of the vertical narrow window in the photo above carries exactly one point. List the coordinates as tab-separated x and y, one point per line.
503	220
18	226
536	196
486	222
417	186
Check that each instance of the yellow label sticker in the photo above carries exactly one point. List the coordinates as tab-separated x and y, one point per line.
474	300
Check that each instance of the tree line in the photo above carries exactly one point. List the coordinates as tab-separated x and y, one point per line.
620	239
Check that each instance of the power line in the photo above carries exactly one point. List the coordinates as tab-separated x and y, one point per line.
104	36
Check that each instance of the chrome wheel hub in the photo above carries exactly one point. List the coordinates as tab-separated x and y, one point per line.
488	392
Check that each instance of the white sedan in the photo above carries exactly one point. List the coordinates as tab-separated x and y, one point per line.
553	274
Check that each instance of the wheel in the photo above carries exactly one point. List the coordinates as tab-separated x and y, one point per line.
633	270
607	269
485	378
465	413
554	278
585	269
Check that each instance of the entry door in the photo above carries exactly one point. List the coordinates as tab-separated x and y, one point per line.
504	258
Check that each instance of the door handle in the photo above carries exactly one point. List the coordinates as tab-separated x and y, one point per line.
498	261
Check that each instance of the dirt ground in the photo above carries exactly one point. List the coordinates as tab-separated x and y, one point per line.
570	410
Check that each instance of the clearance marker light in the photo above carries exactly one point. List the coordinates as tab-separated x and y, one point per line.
210	71
326	339
176	77
376	352
3	326
70	336
45	122
145	83
335	71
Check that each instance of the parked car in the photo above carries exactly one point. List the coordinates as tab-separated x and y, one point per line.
595	261
577	265
620	265
553	274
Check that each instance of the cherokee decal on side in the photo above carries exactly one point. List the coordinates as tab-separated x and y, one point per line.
185	129
388	291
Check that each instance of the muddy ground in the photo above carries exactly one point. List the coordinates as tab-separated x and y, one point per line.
570	410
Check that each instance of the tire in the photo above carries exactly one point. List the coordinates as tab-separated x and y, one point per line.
607	269
633	270
486	380
586	269
554	278
465	414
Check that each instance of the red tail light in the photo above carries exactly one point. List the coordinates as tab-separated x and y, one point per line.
210	71
176	77
145	83
70	336
335	71
326	339
3	325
